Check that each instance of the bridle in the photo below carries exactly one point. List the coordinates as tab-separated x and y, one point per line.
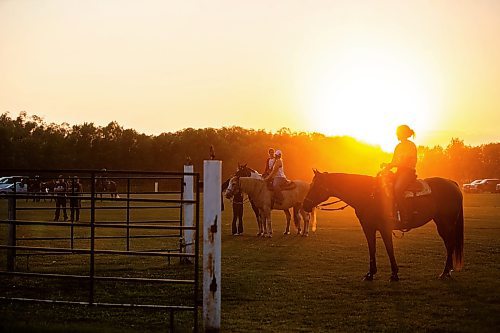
324	189
327	191
234	186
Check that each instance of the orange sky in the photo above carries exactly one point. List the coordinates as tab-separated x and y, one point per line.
339	67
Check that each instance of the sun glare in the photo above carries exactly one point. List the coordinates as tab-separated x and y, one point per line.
368	94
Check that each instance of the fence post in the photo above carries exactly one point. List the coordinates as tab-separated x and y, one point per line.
212	225
11	241
188	194
92	238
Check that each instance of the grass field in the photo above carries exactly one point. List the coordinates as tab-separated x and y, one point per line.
290	283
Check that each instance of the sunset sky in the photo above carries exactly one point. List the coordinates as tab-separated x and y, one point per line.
355	68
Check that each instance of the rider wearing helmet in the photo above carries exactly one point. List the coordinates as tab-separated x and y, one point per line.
405	160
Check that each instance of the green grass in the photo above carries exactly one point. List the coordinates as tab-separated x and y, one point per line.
288	283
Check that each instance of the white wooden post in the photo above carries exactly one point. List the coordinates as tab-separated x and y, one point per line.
156	187
188	210
212	174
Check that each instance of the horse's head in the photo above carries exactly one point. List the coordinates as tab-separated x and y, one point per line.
233	187
318	191
243	171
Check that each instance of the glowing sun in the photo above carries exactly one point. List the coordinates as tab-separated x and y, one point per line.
367	95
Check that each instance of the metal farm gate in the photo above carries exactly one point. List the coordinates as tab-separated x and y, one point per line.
120	232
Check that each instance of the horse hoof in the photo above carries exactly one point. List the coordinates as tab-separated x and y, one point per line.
445	276
368	277
286	233
394	278
305	235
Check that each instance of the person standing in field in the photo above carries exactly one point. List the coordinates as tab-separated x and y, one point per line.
60	189
75	190
237	214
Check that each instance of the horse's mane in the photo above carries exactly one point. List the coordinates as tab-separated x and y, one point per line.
253	170
251	184
245	169
350	177
351	188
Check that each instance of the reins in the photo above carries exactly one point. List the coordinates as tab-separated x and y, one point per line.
403	231
332	203
333	209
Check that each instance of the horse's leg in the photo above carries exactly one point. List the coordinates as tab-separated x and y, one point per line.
257	217
371	239
296	218
269	225
448	236
386	234
288	219
264	223
306	218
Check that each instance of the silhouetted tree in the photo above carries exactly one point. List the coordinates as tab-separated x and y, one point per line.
29	142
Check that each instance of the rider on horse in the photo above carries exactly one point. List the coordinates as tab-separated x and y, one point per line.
278	177
269	163
405	160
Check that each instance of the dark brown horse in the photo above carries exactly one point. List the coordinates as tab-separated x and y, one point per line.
443	205
103	185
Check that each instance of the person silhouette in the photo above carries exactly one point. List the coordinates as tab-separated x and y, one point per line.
277	176
404	160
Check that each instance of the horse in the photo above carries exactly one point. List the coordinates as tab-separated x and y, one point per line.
47	188
444	205
103	185
245	171
263	199
34	188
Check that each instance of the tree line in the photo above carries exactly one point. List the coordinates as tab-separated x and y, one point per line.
28	142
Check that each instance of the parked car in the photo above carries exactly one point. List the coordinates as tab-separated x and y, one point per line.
487	185
8	180
471	187
9	188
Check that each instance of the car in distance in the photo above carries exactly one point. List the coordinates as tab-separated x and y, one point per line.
9	188
471	187
487	185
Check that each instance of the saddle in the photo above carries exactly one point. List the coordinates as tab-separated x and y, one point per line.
417	188
290	185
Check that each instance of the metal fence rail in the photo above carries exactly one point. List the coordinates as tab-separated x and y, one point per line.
132	200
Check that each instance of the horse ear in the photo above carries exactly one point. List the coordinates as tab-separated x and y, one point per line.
315	171
245	165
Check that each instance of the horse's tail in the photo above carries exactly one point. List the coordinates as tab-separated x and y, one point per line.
313	221
458	251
